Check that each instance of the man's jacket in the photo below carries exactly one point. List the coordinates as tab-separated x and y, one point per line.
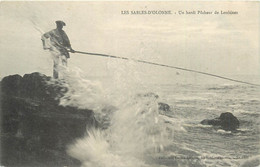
59	40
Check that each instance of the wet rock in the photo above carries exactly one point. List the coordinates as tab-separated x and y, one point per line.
35	129
152	96
226	121
163	106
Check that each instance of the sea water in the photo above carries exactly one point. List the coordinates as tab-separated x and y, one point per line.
135	133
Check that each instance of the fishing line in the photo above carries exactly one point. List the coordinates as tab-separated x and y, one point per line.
37	28
163	65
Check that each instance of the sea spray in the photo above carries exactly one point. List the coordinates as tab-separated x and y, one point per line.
134	128
136	131
91	148
81	92
138	127
93	151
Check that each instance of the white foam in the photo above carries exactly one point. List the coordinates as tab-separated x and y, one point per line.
94	151
221	131
82	93
198	125
244	129
136	127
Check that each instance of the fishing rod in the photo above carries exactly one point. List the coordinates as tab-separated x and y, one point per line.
163	65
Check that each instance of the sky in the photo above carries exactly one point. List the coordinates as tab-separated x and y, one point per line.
219	44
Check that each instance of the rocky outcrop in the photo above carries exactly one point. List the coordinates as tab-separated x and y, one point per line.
35	129
226	121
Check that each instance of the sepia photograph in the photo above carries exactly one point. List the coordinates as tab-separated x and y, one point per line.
129	84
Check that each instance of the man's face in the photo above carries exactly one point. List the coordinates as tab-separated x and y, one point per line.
59	26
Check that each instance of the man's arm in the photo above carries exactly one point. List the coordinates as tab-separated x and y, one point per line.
44	37
67	42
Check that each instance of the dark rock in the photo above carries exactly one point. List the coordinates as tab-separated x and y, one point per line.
215	122
227	121
163	106
35	129
11	85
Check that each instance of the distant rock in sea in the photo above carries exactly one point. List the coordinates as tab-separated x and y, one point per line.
35	129
161	106
164	106
226	121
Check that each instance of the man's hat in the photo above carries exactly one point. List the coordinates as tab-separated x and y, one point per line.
60	22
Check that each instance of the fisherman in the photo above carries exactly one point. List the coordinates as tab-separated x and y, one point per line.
59	46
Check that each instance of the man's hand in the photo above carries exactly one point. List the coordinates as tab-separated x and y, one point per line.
45	48
72	51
